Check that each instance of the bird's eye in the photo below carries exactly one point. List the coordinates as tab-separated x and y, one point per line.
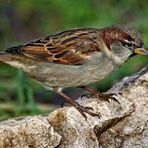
141	45
128	44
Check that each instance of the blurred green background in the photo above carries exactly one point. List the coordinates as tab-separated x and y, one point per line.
21	21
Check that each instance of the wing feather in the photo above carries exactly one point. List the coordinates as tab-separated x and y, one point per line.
69	47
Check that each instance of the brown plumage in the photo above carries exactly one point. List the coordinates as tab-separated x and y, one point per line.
76	57
69	47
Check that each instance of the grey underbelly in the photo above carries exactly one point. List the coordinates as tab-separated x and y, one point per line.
58	75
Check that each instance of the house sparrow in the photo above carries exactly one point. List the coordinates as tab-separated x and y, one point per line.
76	58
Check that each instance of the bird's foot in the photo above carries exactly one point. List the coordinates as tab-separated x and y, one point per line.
84	109
106	97
102	96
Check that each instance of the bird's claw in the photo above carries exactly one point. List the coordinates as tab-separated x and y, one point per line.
84	109
107	97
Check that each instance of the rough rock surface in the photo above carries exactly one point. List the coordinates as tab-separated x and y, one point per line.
120	125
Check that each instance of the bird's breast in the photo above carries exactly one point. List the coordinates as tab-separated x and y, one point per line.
60	75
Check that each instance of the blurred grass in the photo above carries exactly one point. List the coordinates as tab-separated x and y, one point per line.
24	20
11	109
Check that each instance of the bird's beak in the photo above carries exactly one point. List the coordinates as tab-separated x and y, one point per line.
141	51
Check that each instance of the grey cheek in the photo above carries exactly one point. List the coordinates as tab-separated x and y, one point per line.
122	52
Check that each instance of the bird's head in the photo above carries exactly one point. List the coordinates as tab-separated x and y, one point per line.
123	41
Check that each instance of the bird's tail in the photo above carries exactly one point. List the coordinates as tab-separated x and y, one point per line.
9	53
4	57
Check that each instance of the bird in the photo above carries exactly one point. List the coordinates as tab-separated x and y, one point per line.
76	58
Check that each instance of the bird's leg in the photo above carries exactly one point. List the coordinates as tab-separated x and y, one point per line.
97	94
80	108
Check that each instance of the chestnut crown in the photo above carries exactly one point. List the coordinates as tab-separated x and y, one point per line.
125	35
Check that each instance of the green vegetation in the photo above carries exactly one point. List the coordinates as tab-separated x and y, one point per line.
24	20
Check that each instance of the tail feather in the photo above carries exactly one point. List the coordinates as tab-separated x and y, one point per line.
14	50
4	57
9	53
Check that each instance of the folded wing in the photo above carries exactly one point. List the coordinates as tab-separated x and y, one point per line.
70	47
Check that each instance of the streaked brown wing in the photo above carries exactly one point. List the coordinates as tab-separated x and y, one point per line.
69	47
